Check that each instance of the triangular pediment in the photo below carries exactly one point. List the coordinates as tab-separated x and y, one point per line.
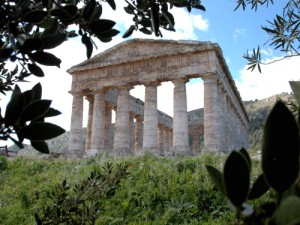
140	49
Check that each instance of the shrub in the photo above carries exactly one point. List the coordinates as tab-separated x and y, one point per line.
3	163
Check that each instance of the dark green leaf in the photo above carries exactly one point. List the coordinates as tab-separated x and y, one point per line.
259	187
101	25
41	146
52	112
145	31
46	59
89	9
17	143
41	131
97	14
109	33
35	16
37	92
72	34
35	110
105	40
217	178
145	22
16	91
154	19
53	40
5	53
31	44
129	9
129	31
47	23
27	97
280	150
88	44
198	6
14	109
181	3
52	30
35	69
112	4
236	178
288	212
247	157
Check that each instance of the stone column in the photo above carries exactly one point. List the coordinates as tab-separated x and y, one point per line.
76	146
161	138
171	137
167	140
131	131
223	118
232	127
212	141
107	127
122	138
196	144
138	133
90	99
98	123
150	135
180	118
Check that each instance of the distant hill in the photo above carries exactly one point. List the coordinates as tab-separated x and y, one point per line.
258	111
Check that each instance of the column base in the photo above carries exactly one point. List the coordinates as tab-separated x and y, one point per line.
151	150
121	152
91	152
180	150
72	154
212	148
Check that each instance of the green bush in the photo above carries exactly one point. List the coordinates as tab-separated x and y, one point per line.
157	190
3	163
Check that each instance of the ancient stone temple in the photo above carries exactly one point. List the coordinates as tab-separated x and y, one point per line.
106	79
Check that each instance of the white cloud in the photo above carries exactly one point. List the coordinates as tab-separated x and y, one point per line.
239	32
199	22
267	52
273	80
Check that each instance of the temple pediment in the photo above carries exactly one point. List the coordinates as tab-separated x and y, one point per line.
141	49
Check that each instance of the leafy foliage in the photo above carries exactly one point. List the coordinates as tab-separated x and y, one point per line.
283	31
156	190
81	204
280	167
3	163
25	117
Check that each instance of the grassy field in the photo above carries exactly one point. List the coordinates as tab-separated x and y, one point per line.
157	190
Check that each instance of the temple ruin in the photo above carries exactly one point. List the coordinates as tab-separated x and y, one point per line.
106	79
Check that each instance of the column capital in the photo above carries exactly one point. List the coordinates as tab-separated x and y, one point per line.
77	93
180	80
90	98
161	126
211	76
127	87
139	117
152	84
100	91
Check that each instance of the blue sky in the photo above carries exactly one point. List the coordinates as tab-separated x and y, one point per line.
235	32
